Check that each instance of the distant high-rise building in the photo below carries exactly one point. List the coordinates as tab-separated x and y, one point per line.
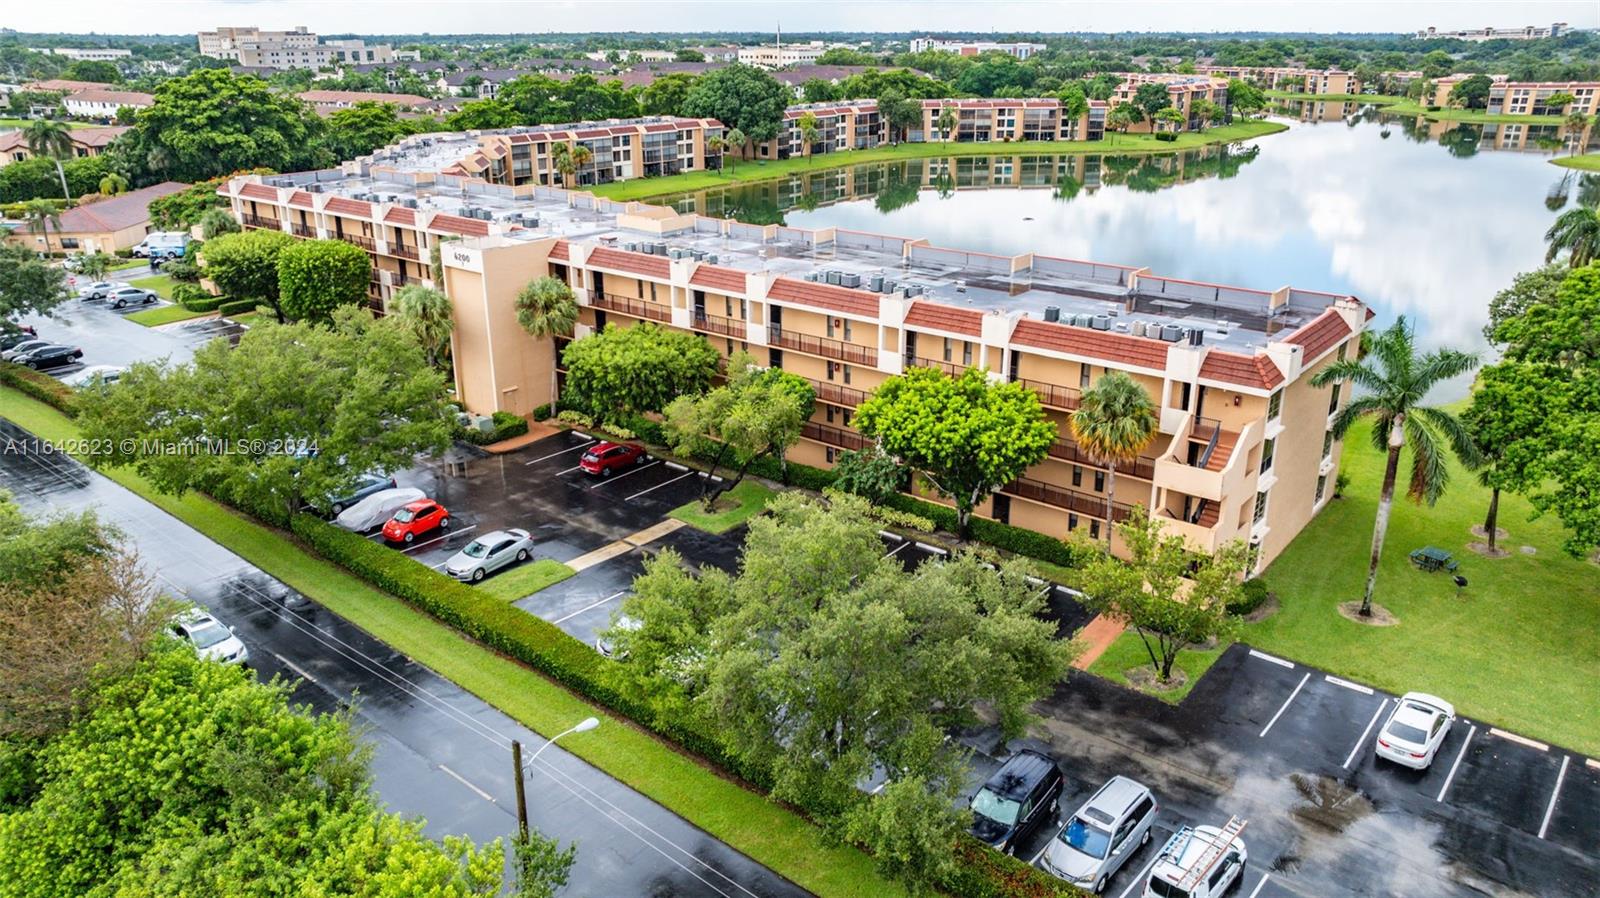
1019	49
1479	35
297	48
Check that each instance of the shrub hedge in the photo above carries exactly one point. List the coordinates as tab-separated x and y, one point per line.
506	426
1253	593
195	298
42	387
542	413
237	307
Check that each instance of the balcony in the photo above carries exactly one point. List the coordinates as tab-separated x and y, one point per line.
950	368
715	324
306	231
363	242
1064	398
822	346
1144	467
834	394
627	305
258	221
1079	503
1202	534
404	251
834	436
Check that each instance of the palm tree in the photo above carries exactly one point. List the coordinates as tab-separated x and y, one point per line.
1114	422
810	133
1578	232
427	312
735	140
41	216
947	122
113	184
1395	379
547	308
50	139
718	145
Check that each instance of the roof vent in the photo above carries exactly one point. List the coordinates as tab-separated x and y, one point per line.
1052	313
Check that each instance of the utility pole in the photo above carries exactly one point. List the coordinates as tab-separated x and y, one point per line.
522	798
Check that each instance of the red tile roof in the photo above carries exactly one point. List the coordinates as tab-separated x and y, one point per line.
349	206
1140	352
632	263
723	280
301	199
1256	371
400	215
259	192
1322	334
456	224
945	318
824	296
561	252
114	214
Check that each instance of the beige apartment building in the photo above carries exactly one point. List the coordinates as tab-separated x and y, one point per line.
296	48
1002	120
847	125
1244	449
1289	78
1183	90
85	142
1524	97
619	150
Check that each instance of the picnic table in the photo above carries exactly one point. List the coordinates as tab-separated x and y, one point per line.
1432	558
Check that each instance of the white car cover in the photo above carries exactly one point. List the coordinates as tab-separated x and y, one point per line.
377	508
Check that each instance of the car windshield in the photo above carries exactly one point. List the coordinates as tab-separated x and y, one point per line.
1163	889
996	808
1086	837
207	634
1405	732
405	515
477	549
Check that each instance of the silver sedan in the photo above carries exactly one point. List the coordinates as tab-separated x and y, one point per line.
489	553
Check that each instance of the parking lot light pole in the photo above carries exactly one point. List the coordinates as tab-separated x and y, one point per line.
583	726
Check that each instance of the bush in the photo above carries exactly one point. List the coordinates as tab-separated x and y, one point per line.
237	307
1166	136
621	433
195	298
542	413
640	427
125	253
576	418
1253	593
506	426
42	387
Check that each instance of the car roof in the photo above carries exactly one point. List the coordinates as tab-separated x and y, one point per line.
1020	774
603	445
419	504
1200	837
495	536
1117	796
1417	715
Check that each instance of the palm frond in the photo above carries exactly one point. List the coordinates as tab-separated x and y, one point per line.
1455	432
1443	365
1429	472
1356	410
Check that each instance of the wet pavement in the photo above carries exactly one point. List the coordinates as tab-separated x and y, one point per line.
439	752
107	339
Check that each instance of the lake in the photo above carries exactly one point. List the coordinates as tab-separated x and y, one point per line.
1415	218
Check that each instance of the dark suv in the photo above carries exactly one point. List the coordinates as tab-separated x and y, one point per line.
1019	798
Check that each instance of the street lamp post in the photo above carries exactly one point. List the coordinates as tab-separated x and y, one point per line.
583	726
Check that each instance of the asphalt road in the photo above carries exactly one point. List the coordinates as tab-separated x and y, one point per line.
439	752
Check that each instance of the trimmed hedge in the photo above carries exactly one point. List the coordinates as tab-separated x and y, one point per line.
42	387
1253	593
1166	136
237	307
195	298
542	413
506	426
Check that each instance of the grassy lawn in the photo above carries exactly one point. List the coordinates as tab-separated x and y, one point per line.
750	170
9	123
1590	162
1520	649
160	283
164	315
1470	116
751	498
1128	652
765	832
1375	99
124	264
525	579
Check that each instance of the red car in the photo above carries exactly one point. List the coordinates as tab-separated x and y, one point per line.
607	457
414	520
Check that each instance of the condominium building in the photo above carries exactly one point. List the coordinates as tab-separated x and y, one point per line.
296	48
1244	449
103	104
90	54
1019	49
1000	120
777	56
619	150
850	125
1479	35
1525	97
85	142
1289	78
1183	90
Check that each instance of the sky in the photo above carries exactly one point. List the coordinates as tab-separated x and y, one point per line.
495	16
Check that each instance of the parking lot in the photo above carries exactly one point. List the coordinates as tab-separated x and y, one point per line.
106	338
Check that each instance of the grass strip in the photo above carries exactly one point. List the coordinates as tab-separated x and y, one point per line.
525	579
1590	162
160	284
1128	653
751	497
164	315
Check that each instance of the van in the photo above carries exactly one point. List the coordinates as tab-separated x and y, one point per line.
1102	834
162	244
1199	862
1020	797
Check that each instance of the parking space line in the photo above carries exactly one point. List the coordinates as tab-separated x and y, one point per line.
658	486
629	474
554	454
463	781
1591	762
1550	809
1285	706
1520	740
1364	690
1275	660
677	467
1453	767
583	436
1142	878
1364	733
565	618
885	534
443	536
567	471
1259	886
1035	861
296	669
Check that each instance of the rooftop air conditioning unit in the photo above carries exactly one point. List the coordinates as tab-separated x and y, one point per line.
1197	337
890	286
1100	322
661	249
1171	333
711	258
675	253
833	278
850	280
1052	313
631	247
875	283
698	254
1138	328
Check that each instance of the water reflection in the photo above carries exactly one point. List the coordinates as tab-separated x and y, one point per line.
1459	139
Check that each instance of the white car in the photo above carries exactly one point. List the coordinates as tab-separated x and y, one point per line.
210	638
1198	862
94	374
100	289
1415	730
375	509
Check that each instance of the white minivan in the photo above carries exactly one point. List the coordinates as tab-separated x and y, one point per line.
162	244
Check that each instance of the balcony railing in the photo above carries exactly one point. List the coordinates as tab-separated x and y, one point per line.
627	305
258	221
715	324
837	395
403	251
1207	429
834	436
1143	467
951	368
1053	396
832	349
1061	497
363	242
305	231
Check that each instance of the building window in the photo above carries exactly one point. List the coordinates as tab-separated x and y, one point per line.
847	330
1327	444
946	355
1077	475
831	454
1342	347
69	243
1322	485
1260	509
846	373
1267	448
1333	401
1275	406
966	354
1094	529
1083	377
1099	481
1072	522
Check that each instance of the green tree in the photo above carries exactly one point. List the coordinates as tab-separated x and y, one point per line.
1114	423
1245	97
431	318
245	265
1528	289
317	276
567	159
1170	596
113	184
819	90
736	141
42	216
810	133
37	178
1394	379
1577	233
1437	64
96	70
1471	92
294	413
48	139
1123	116
909	828
1507	420
756	414
1152	98
483	115
358	130
870	473
717	145
900	112
1556	102
1170	117
94	265
547	309
740	97
1074	103
29	285
1208	113
213	122
687	54
216	222
622	371
666	95
966	435
947	123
